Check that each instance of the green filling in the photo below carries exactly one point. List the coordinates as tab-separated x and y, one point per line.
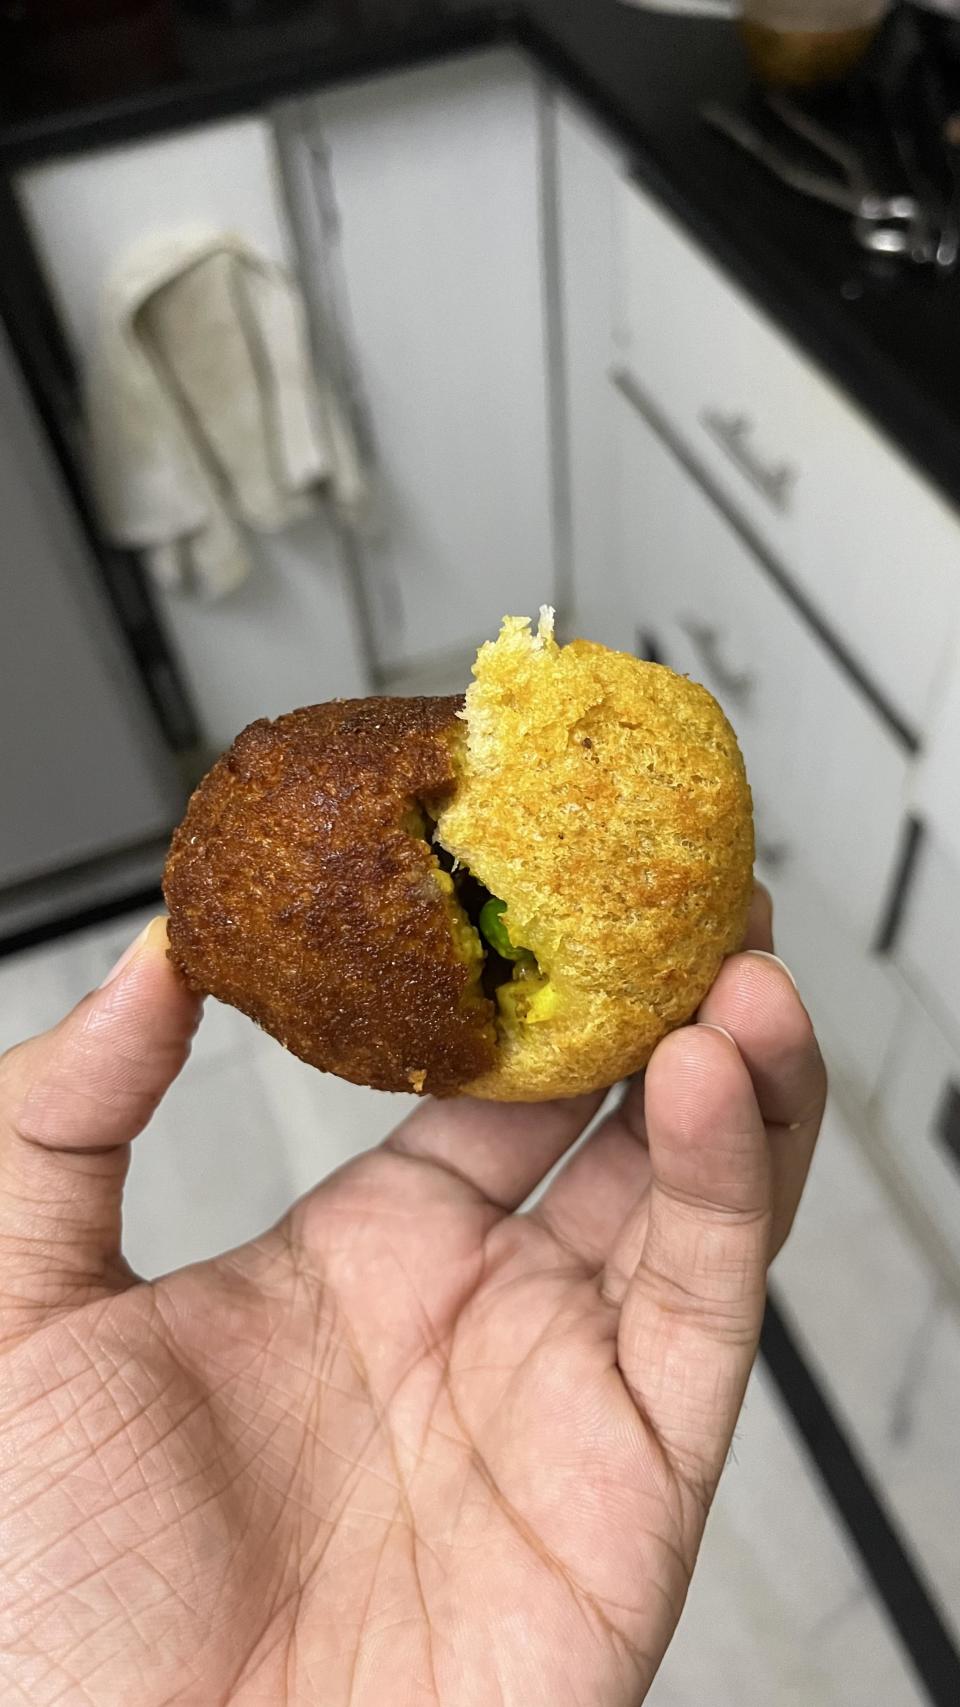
506	973
490	924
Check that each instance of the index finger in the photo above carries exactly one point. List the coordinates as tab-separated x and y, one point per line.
759	932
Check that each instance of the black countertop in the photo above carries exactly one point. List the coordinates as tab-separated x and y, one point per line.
887	332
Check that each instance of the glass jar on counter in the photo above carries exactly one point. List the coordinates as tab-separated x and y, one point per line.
799	43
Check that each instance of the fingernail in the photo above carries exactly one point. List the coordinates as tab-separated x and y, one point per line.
707	1025
153	929
761	954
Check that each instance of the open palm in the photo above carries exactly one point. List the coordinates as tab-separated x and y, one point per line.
410	1447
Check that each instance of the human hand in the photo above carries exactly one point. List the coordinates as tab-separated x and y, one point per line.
409	1447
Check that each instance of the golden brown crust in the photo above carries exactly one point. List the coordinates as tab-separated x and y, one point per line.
299	893
604	800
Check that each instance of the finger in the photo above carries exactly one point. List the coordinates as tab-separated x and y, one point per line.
500	1150
759	932
756	1001
70	1102
505	1150
691	1315
585	1206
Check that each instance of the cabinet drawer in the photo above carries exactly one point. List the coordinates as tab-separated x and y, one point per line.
852	997
936	782
871	546
927	949
828	779
917	1121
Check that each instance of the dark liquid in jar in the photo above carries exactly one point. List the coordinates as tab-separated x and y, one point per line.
800	58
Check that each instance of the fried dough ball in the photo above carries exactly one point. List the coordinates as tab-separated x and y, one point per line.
302	889
589	810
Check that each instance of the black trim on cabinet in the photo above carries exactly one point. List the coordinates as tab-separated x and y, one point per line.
84	892
911	844
647	646
41	351
947	1123
896	1577
229	70
50	930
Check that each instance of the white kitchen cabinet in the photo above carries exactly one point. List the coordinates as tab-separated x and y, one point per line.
855	1002
828	777
927	947
862	537
586	168
658	565
83	774
289	636
734	515
85	210
936	782
430	183
916	1121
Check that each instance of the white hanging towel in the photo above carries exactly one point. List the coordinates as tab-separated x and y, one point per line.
205	415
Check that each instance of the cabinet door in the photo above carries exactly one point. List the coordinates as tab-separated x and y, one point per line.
289	636
918	1121
927	947
587	176
437	234
872	546
82	770
829	780
937	778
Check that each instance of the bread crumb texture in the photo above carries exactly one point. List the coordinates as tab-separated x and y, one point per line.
604	799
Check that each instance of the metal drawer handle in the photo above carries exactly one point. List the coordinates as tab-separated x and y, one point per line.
738	687
733	433
772	852
948	1121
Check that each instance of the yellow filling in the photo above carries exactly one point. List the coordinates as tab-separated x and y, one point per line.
466	937
527	997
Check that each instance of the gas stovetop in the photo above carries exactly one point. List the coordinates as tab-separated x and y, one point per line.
883	149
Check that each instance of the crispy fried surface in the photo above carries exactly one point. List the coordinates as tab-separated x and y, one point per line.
300	893
605	801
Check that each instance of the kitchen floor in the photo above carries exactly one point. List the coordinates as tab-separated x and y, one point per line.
782	1610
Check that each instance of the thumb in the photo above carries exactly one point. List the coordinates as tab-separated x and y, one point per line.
692	1312
70	1102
